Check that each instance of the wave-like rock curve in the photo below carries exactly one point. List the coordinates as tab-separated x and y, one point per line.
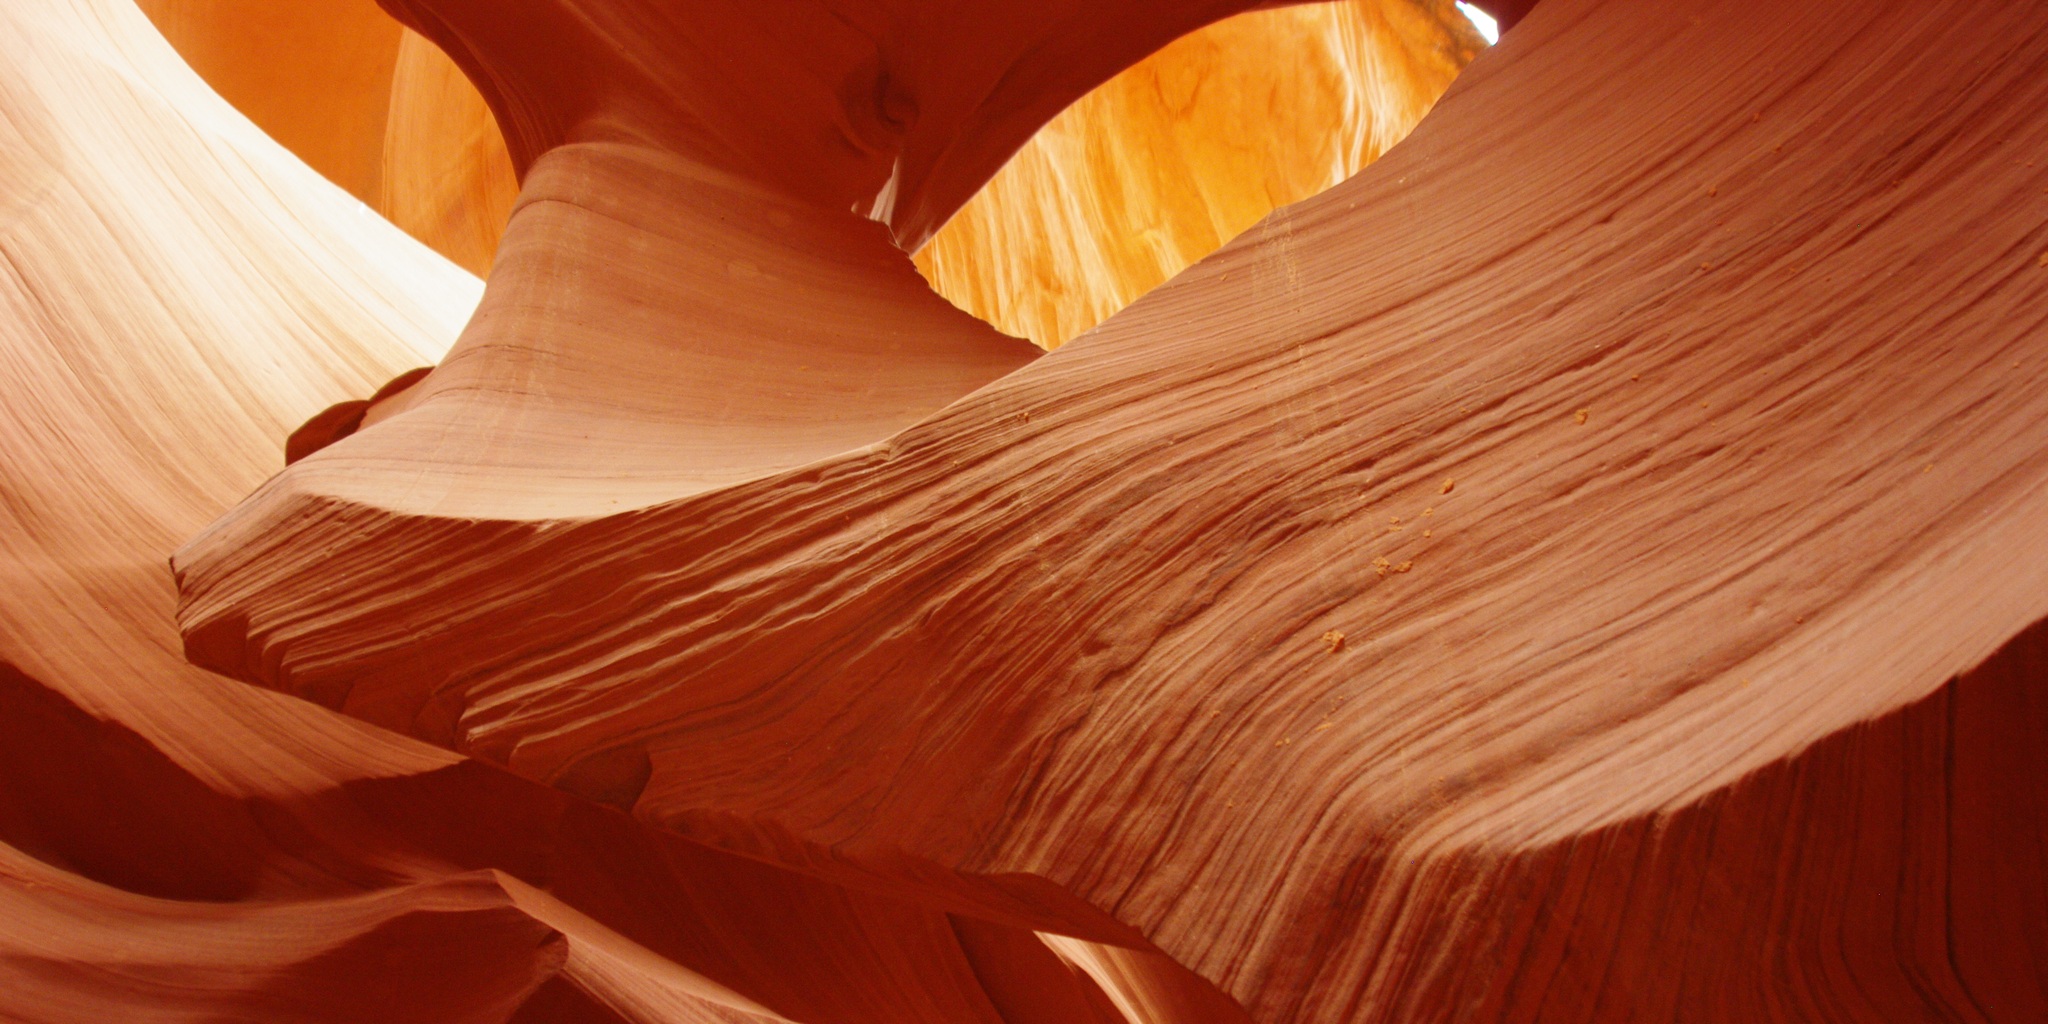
1417	610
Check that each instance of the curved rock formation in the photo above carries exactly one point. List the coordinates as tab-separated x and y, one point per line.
1159	166
373	107
1585	567
176	291
1149	172
1580	568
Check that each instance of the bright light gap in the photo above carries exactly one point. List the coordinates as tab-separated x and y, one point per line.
1482	21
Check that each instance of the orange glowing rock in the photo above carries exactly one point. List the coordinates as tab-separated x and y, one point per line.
369	104
1170	159
728	628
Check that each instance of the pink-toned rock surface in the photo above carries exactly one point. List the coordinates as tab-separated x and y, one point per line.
177	293
1525	581
1588	566
1152	170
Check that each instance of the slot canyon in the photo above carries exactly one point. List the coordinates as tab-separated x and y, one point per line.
979	512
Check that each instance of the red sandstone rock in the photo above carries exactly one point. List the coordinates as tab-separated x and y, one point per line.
178	293
370	105
925	684
1159	166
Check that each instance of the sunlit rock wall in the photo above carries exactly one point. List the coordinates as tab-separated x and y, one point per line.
1170	159
380	111
1142	177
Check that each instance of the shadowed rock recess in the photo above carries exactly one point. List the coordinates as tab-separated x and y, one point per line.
1588	564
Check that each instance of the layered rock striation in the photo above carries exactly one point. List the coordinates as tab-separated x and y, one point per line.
177	293
1581	567
1586	566
372	106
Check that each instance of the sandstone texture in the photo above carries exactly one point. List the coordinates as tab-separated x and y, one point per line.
1587	563
366	102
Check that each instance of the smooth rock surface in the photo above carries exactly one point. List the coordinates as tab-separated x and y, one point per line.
1159	166
177	293
1584	567
370	105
